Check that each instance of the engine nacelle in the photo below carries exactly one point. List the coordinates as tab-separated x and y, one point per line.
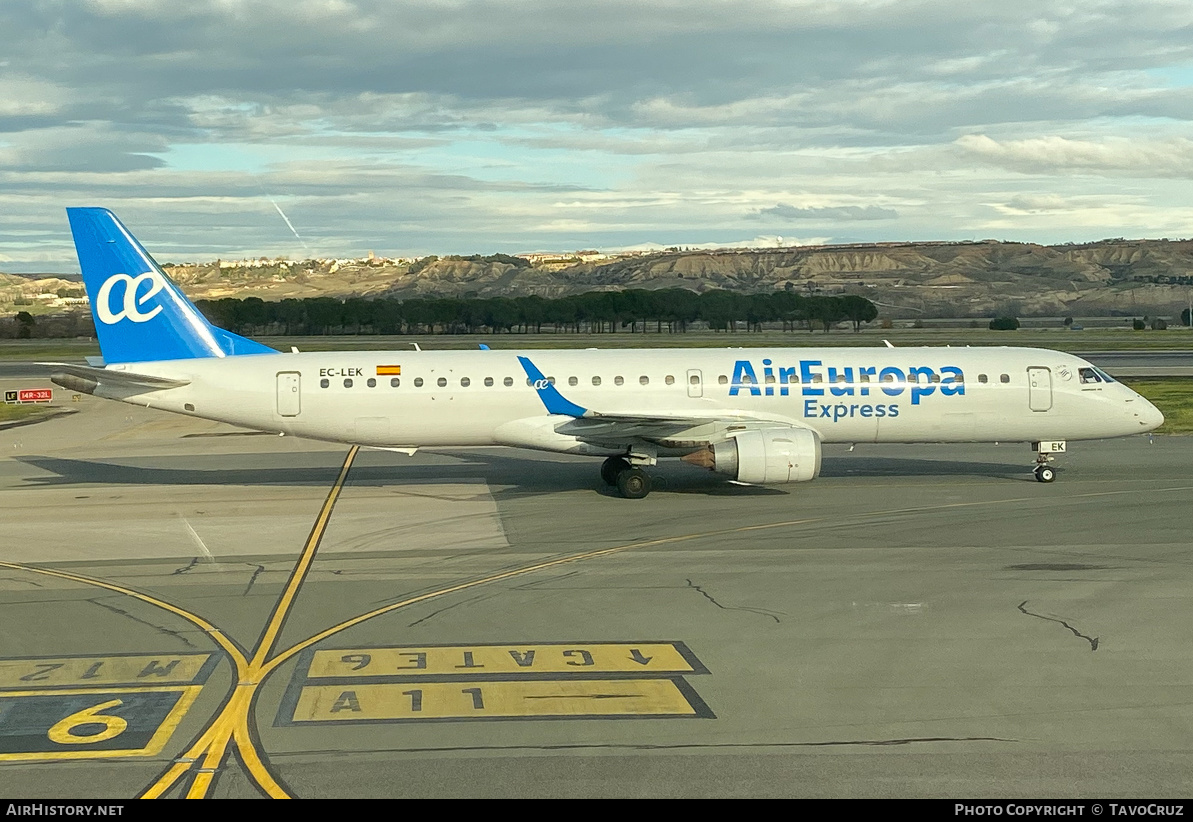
767	456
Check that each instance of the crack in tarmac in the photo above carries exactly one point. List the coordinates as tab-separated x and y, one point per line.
23	581
708	596
447	608
158	628
253	579
1093	641
646	746
186	568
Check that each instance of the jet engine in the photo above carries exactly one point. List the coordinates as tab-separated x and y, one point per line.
766	456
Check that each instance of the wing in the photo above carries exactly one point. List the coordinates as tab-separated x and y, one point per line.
609	428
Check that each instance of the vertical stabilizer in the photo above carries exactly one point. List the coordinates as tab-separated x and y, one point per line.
140	315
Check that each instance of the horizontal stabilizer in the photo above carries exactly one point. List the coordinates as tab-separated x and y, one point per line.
84	378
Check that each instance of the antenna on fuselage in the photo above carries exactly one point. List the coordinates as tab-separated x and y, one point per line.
888	343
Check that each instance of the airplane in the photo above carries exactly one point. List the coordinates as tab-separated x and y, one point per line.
756	416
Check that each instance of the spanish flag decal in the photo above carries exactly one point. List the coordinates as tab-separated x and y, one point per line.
389	370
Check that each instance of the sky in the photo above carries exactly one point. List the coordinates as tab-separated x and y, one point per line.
330	128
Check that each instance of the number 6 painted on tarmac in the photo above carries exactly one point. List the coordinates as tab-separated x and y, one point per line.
113	725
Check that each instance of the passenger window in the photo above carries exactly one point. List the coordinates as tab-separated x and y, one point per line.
573	381
418	382
323	383
770	378
723	380
817	378
488	382
596	380
840	378
465	382
885	378
551	380
618	381
934	378
670	380
347	382
982	378
441	382
394	382
643	380
1004	378
508	381
694	379
372	383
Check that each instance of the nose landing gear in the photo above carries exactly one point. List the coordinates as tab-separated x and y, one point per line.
1044	451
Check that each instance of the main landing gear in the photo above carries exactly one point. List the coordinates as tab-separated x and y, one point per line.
630	481
1044	451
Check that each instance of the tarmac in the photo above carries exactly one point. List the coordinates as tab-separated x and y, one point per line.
190	609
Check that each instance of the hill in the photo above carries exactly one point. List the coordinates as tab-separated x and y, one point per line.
905	279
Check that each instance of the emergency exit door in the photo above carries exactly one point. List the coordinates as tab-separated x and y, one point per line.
289	393
695	383
1039	387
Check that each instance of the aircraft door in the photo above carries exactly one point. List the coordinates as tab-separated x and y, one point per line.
1039	381
695	383
289	393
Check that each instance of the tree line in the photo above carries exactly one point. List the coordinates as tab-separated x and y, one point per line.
596	312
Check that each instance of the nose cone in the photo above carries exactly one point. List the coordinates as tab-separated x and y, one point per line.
1149	416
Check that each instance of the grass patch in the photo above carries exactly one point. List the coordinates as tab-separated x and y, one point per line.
1173	396
13	413
47	349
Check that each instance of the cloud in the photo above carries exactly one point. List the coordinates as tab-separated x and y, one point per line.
455	126
83	147
834	213
1039	203
1054	154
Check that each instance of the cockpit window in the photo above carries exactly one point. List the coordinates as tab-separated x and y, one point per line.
1105	377
1090	375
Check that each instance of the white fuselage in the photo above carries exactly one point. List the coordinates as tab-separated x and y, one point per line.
466	398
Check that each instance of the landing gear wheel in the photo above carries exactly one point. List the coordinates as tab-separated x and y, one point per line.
633	483
611	467
1045	474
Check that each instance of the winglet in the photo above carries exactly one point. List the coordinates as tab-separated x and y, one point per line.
552	400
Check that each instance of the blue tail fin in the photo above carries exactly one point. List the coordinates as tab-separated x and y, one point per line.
141	316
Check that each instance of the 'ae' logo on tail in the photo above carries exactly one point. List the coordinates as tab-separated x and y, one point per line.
130	308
